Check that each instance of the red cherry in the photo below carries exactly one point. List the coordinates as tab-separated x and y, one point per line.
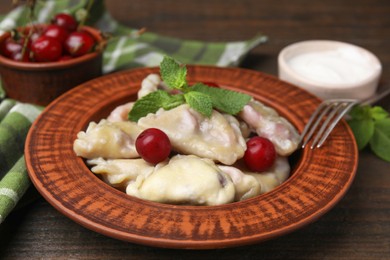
260	154
153	145
46	49
34	36
57	32
9	47
13	49
19	56
66	21
64	58
79	43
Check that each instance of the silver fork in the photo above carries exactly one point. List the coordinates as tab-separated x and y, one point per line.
329	113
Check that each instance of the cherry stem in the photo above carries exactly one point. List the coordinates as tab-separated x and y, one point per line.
25	43
31	16
88	10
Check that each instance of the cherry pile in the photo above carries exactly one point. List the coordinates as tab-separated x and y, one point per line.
60	40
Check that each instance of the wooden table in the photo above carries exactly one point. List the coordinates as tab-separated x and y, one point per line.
357	228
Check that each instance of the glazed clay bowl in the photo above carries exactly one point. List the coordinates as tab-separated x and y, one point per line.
40	83
319	178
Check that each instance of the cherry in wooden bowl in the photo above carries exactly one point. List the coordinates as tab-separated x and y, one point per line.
41	82
319	178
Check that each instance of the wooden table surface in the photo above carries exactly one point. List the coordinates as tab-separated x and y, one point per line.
356	228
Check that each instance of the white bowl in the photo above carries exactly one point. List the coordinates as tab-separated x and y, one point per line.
330	69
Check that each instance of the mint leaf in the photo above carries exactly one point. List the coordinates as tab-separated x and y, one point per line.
360	112
227	101
172	73
173	101
363	131
380	142
378	113
153	102
200	102
368	112
371	125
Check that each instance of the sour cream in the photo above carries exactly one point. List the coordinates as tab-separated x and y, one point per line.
330	69
344	65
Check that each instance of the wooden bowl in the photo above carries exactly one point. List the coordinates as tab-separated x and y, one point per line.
319	178
42	82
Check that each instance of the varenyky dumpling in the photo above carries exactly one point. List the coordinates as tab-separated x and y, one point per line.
120	172
192	133
186	179
151	83
249	184
267	123
246	186
135	177
108	140
240	127
120	113
275	176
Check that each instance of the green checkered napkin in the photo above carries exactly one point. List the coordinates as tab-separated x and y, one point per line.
125	50
15	120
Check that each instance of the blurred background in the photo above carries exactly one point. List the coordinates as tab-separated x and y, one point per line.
364	23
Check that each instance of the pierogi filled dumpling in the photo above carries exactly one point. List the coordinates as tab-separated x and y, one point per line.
186	179
273	177
120	113
249	184
246	186
108	140
266	122
120	172
192	133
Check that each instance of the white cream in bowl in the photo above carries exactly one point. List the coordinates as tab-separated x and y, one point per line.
330	69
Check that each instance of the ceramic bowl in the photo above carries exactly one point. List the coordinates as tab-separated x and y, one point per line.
342	71
319	178
40	83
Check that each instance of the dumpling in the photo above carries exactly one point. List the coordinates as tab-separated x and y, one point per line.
192	133
186	179
151	83
120	113
249	184
119	172
240	127
246	186
109	140
267	123
275	176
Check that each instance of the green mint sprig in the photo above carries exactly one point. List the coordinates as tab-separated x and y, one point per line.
199	96
173	73
228	101
371	127
153	102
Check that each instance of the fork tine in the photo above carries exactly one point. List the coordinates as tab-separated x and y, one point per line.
330	112
334	109
340	115
312	118
313	123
